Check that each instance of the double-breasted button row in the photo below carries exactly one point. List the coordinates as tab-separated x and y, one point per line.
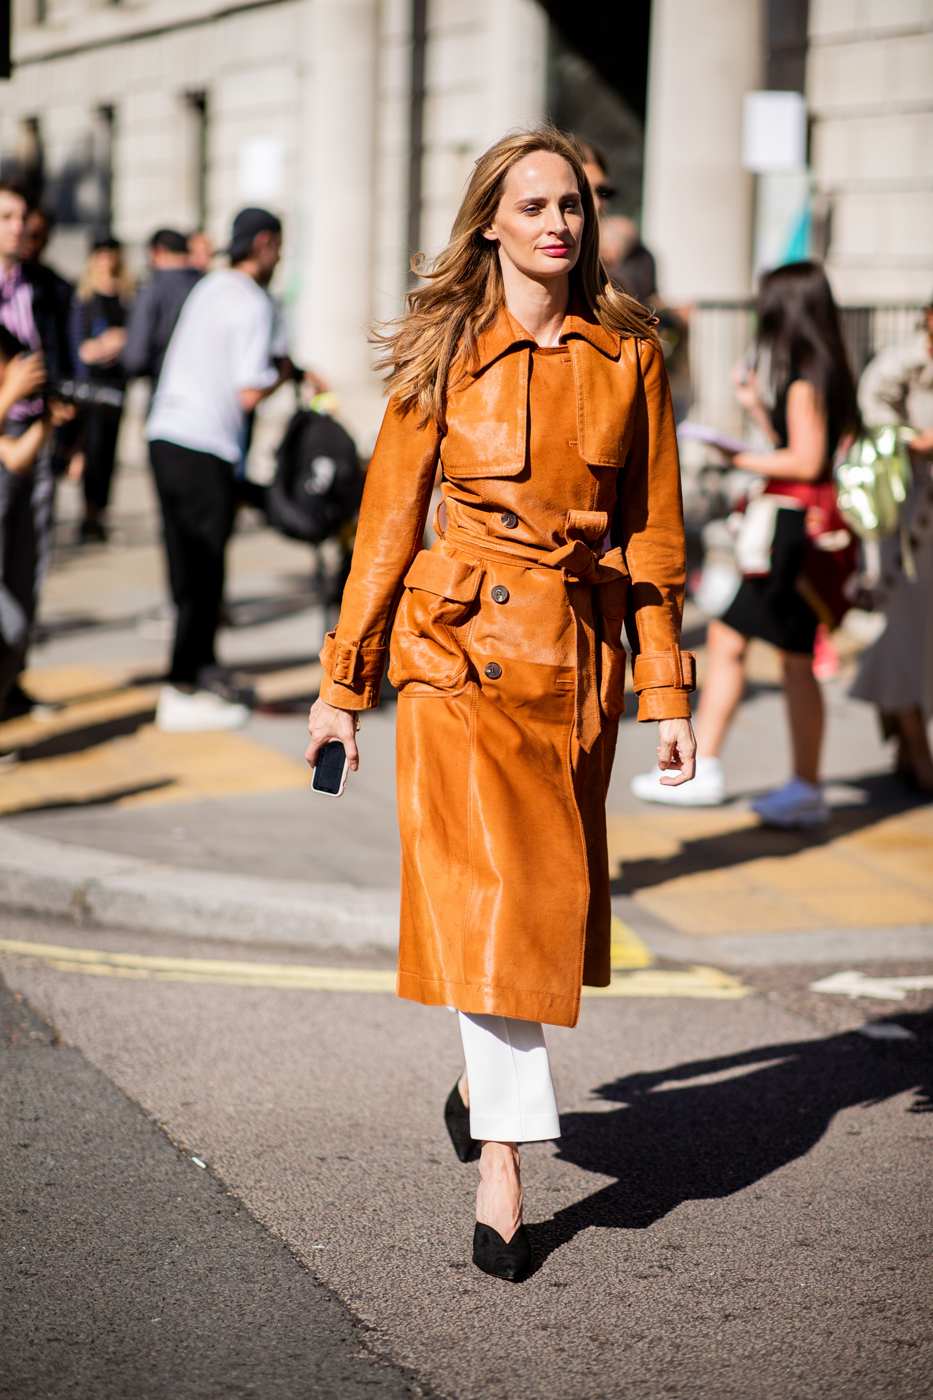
500	594
493	670
509	519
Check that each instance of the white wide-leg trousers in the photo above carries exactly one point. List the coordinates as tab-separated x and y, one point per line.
511	1093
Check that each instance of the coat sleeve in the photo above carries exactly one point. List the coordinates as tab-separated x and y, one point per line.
883	387
391	532
651	533
137	356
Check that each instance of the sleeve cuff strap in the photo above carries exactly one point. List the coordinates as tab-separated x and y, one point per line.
665	670
355	668
663	704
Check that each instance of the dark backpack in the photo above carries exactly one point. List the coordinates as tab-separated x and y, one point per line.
318	484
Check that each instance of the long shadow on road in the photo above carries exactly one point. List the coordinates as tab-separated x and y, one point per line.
885	797
674	1140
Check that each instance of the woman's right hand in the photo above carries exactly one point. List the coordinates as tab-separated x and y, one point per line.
25	374
325	723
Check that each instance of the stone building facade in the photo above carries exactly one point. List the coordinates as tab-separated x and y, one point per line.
870	95
866	70
178	112
336	113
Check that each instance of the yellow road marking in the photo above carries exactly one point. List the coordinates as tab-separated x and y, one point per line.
58	685
25	732
151	767
703	982
626	949
216	970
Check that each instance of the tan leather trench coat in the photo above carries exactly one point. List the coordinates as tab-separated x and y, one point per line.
563	512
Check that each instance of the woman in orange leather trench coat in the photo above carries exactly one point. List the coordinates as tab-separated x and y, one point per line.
542	393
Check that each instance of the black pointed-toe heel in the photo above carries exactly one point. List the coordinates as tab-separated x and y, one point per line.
491	1253
457	1118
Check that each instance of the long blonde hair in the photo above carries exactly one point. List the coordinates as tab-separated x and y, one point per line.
121	274
463	290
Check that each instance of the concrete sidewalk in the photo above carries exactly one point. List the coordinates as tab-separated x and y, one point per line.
106	820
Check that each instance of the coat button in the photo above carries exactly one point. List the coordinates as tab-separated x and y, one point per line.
509	519
500	594
493	670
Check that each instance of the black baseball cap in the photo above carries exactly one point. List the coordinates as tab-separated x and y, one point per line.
103	238
246	225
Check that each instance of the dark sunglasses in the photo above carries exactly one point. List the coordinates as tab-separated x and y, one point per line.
605	191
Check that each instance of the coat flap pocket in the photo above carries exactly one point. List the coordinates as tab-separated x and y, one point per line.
448	578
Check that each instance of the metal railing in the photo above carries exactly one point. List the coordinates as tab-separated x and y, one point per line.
722	331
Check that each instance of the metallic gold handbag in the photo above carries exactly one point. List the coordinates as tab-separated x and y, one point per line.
873	481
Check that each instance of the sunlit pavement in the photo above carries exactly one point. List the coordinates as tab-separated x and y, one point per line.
737	1207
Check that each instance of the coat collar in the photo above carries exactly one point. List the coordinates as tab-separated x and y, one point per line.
505	335
581	324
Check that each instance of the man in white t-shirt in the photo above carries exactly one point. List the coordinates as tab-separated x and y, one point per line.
218	367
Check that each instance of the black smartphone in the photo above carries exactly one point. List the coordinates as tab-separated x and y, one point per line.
330	771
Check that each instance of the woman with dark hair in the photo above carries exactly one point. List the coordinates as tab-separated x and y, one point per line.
793	549
542	391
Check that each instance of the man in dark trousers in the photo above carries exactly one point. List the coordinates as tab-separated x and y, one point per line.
33	310
217	369
155	312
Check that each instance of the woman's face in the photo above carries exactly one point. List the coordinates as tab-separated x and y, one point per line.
539	222
104	262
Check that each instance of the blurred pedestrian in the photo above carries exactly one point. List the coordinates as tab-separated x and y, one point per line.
98	335
796	554
200	251
596	169
630	265
155	312
33	310
24	513
543	391
36	233
32	305
217	369
896	673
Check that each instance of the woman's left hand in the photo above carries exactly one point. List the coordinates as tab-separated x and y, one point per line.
677	749
745	386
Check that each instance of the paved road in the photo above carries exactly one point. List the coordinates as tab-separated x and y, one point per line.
127	1271
738	1208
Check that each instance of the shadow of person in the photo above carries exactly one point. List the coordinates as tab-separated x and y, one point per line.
885	797
707	1129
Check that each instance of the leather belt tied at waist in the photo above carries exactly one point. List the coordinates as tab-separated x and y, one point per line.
578	563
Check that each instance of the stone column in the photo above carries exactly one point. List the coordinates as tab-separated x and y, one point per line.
705	54
336	203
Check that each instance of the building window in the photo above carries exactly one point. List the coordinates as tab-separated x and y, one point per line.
104	141
196	103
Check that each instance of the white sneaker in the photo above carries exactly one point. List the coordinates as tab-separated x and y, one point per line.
797	804
707	789
180	713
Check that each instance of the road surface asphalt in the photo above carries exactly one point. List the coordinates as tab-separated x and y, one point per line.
738	1207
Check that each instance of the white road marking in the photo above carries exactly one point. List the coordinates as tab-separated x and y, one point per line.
856	984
